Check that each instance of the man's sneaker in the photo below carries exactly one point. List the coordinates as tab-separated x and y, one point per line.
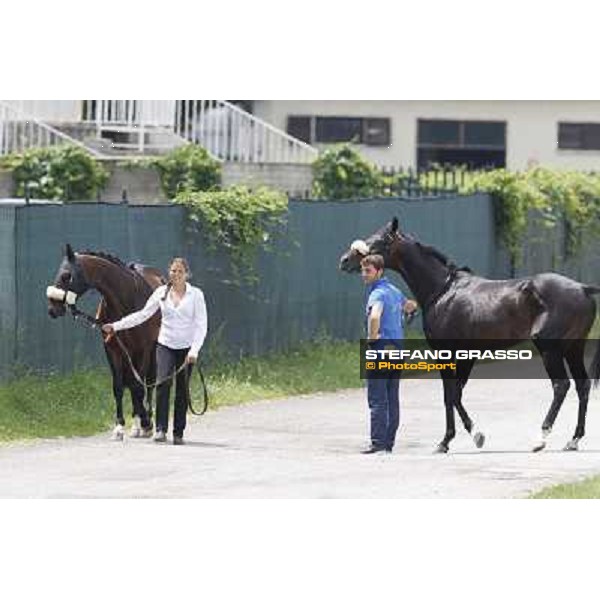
178	440
160	436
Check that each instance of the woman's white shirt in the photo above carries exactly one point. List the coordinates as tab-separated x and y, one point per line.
182	326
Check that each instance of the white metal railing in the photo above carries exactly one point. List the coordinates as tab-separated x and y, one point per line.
231	134
225	130
20	131
149	124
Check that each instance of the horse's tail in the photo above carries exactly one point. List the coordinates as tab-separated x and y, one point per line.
590	290
595	366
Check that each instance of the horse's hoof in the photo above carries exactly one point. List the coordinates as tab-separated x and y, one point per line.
118	433
479	439
539	445
572	446
441	449
541	441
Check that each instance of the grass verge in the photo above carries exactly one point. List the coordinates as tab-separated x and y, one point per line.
82	403
585	489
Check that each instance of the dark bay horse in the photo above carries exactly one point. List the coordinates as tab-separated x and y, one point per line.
553	311
124	289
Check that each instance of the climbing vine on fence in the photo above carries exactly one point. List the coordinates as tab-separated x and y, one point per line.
239	221
553	196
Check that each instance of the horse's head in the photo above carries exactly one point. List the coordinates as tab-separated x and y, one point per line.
69	284
379	242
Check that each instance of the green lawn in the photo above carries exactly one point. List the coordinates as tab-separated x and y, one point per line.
587	488
82	403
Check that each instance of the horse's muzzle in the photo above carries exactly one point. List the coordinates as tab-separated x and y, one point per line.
58	299
350	263
56	309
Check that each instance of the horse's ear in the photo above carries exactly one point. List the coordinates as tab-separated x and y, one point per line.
394	225
69	253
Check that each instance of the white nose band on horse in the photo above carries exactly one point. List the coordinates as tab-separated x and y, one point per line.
55	293
360	246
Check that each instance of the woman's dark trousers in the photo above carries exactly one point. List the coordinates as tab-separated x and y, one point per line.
167	361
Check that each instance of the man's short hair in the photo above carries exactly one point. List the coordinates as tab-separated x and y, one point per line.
374	260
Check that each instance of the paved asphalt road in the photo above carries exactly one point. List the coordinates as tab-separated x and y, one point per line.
307	447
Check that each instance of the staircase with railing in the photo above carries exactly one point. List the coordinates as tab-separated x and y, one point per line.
107	127
232	134
20	131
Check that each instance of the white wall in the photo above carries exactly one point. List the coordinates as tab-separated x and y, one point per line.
53	111
532	126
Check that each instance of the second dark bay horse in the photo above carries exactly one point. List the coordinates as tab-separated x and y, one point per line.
553	311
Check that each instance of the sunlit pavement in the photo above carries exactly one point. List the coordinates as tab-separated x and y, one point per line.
308	447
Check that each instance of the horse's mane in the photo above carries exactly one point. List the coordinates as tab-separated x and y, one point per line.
109	257
442	258
115	260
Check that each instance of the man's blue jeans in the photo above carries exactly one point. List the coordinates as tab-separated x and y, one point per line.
384	405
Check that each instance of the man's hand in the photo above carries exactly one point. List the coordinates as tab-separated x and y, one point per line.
410	306
108	328
190	360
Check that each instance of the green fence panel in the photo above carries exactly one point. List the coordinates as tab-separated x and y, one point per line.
301	294
8	291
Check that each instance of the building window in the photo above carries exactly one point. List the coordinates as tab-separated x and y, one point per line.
439	133
331	130
299	127
376	132
579	136
475	144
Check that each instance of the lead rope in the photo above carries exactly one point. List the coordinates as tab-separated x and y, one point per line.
94	323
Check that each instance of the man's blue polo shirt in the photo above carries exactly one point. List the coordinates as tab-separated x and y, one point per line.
393	301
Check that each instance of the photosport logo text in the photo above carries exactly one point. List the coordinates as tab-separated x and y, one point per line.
382	358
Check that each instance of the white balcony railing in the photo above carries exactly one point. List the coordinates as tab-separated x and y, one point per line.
19	131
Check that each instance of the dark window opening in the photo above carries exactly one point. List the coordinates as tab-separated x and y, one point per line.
579	136
299	127
376	132
439	132
472	159
475	144
332	130
484	134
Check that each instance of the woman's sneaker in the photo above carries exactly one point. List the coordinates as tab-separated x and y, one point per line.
160	436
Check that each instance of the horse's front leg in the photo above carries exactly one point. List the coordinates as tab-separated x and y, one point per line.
119	429
116	369
449	393
142	425
464	369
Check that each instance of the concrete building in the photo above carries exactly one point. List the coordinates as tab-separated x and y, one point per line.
514	134
394	133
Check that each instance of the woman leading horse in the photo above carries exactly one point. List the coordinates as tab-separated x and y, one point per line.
182	333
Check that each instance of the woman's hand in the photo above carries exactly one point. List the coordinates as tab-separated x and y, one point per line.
190	360
108	328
